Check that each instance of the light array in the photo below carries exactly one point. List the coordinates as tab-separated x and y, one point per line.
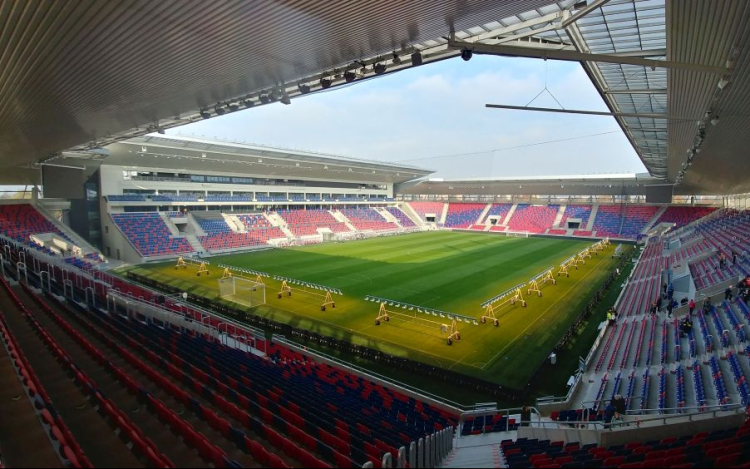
548	270
244	271
302	283
422	309
505	294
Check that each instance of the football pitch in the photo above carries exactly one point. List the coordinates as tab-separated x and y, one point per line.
448	271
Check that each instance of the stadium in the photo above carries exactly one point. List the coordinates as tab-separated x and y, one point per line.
173	300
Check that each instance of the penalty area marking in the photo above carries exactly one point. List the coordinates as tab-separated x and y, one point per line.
544	313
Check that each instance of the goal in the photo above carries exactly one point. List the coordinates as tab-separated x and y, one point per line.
517	234
241	290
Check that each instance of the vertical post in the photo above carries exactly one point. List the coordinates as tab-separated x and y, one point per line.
422	452
2	265
401	461
367	465
413	455
387	461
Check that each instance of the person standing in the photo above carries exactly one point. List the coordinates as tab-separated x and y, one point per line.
734	258
670	307
728	294
691	306
525	416
654	308
659	304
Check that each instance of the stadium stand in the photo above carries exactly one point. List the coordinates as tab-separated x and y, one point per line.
423	208
721	448
219	236
463	215
307	222
498	210
20	221
403	219
682	216
149	235
576	211
367	219
616	221
533	218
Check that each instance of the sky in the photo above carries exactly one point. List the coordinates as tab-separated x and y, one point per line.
433	117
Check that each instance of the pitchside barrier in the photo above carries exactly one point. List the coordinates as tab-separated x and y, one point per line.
420	313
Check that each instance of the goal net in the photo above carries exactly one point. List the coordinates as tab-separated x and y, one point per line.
241	290
517	234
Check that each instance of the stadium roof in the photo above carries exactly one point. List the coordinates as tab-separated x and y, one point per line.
581	185
191	154
80	74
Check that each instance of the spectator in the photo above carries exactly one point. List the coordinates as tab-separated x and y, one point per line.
728	294
654	308
609	413
620	405
670	307
734	258
664	290
659	304
670	291
707	305
691	305
617	420
525	416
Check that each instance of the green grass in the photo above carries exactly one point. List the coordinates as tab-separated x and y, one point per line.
449	271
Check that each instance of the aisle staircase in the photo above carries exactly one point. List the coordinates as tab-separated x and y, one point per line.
559	217
444	215
509	215
481	219
592	217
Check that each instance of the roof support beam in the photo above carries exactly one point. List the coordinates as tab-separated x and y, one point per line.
638	91
581	13
515	27
574	56
577	111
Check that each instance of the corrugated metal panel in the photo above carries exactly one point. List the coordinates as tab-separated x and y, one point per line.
706	33
72	71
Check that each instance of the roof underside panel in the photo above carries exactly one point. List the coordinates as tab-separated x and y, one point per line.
75	71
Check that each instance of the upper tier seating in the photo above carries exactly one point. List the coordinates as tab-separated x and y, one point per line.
576	211
254	221
403	219
533	218
365	219
463	215
126	198
423	208
150	236
307	222
175	198
682	216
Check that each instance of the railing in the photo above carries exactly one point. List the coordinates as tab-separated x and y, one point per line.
645	421
427	452
491	410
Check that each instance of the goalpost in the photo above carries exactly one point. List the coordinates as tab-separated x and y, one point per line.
516	234
242	290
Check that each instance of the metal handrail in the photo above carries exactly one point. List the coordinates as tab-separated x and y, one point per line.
736	408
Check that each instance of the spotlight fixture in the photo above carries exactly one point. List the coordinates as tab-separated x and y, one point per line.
715	120
325	83
285	99
274	95
698	150
220	110
723	82
233	107
466	54
349	76
247	103
303	88
379	68
205	114
160	130
396	59
416	58
264	99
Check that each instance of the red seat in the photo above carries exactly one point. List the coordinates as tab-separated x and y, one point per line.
563	460
655	455
615	461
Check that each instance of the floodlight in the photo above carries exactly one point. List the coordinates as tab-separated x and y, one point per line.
205	114
220	110
233	107
325	83
264	99
466	54
396	59
715	120
285	99
349	76
379	68
416	59
303	88
723	82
